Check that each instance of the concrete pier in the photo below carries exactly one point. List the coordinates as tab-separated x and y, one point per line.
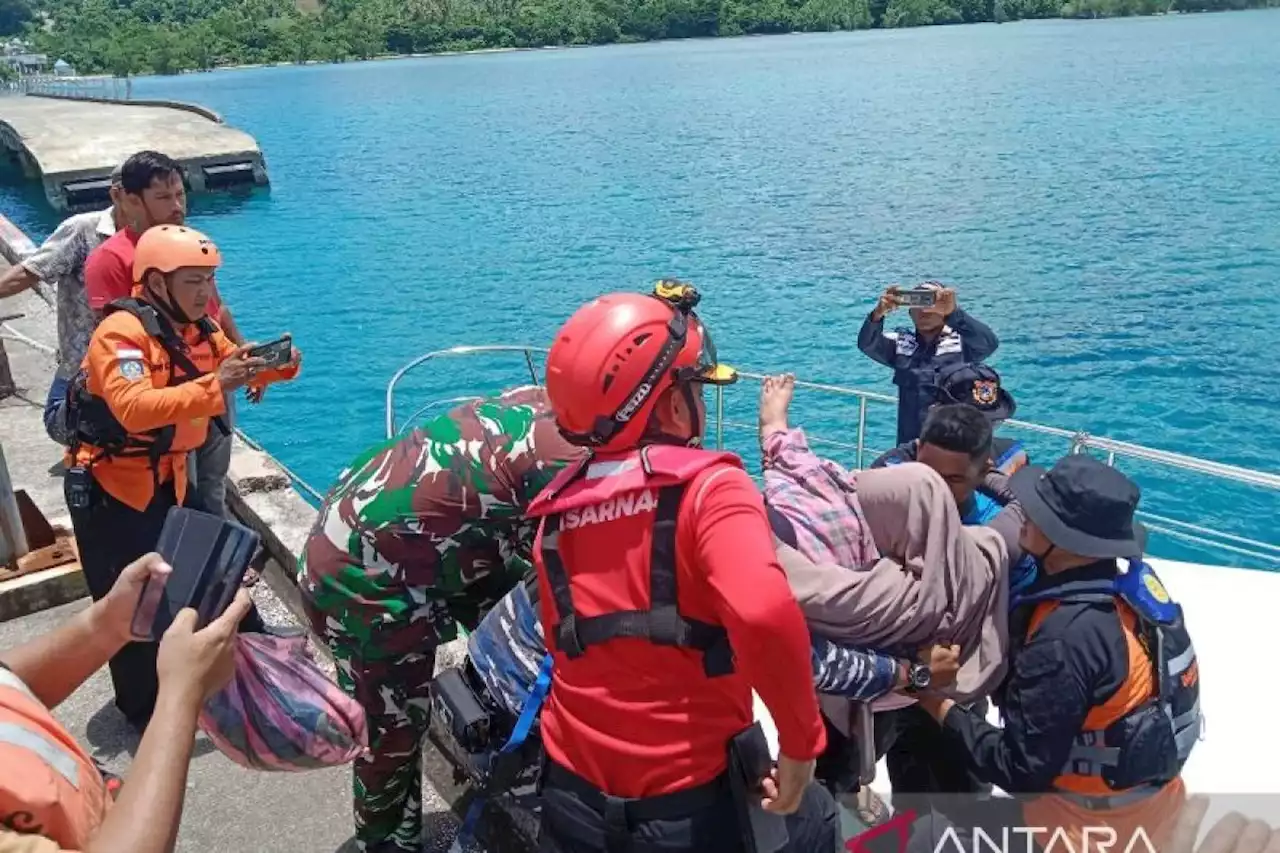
72	145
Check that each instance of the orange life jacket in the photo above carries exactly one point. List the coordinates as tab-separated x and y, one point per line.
1123	769
134	347
49	786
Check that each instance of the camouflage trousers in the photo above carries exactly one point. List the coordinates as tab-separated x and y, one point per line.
388	670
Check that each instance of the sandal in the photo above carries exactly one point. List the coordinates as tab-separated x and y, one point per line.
869	808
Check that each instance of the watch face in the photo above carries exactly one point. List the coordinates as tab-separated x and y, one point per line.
920	676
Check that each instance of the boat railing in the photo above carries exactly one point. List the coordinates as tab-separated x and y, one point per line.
393	430
1075	442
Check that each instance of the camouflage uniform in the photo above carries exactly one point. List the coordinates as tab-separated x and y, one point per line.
420	534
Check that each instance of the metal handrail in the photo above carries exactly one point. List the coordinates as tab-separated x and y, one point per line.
1176	528
9	333
461	350
1078	442
434	404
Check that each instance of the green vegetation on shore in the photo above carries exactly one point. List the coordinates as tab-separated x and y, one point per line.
166	36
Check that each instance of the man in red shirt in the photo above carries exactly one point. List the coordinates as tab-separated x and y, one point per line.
663	606
152	193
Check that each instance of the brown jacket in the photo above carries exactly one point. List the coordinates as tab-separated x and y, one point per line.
938	581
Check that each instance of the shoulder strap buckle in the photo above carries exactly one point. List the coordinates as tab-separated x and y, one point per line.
567	638
667	627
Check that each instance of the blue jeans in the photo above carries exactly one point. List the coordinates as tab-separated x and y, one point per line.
55	411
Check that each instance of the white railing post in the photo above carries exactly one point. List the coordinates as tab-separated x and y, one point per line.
719	417
862	428
1079	442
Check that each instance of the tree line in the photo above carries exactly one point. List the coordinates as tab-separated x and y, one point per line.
125	37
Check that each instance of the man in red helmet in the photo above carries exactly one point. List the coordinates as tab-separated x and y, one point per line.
661	628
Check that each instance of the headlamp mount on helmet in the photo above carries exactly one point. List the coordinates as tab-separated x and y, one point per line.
684	297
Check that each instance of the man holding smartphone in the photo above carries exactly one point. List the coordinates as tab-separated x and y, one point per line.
153	380
53	796
151	192
942	335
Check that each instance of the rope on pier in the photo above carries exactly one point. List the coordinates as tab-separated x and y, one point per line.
11	334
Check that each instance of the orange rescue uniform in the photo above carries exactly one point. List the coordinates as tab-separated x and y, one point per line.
130	370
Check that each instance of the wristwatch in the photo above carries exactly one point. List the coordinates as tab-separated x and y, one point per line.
918	677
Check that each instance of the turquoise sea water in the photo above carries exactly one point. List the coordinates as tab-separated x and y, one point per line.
1105	194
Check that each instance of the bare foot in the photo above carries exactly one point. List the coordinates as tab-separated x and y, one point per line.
775	399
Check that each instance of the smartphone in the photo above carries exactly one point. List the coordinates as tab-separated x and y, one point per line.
275	354
209	556
920	297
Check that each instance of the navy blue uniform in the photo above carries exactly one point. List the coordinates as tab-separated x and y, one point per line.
916	362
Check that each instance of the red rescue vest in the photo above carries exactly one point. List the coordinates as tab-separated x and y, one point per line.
622	490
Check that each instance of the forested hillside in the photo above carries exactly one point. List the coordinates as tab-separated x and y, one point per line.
166	36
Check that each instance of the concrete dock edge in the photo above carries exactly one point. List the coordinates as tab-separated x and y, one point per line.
71	144
137	102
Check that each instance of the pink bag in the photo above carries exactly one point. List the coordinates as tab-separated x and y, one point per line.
281	712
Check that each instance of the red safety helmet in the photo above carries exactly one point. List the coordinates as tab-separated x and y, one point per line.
616	355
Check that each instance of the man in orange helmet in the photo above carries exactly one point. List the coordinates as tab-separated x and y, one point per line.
152	379
663	605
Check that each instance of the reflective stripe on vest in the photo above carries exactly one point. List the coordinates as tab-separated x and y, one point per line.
662	624
62	762
8	679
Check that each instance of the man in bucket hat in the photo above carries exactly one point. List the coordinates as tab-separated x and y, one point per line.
1101	704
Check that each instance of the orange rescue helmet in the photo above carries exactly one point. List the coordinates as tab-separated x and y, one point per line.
166	248
615	356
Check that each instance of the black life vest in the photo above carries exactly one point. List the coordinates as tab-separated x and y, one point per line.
1146	748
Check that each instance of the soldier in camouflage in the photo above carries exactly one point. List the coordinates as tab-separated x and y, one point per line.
420	534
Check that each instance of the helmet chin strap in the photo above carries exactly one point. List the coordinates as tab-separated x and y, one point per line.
695	440
167	304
